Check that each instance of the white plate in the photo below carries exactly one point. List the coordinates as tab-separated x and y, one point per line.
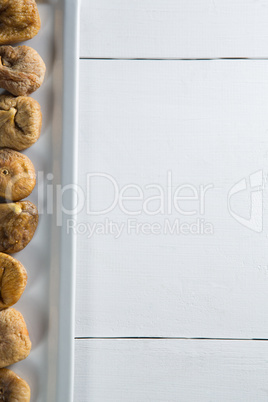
48	302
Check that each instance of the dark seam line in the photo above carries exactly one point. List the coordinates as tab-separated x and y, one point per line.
170	338
174	59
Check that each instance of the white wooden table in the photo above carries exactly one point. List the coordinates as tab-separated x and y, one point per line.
182	316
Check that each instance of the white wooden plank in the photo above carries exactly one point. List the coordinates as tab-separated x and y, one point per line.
206	123
170	371
174	29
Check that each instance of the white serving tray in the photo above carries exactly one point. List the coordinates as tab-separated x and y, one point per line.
48	301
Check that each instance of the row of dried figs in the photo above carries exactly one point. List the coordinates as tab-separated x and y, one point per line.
22	72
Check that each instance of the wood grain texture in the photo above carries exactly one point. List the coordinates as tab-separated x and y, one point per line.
171	371
174	29
206	123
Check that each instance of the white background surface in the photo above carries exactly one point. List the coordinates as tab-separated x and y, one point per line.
205	121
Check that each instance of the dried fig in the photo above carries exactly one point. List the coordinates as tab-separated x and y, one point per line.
13	280
22	70
17	175
15	344
19	20
18	222
13	388
20	122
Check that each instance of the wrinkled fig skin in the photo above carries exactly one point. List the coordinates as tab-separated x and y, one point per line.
17	175
19	21
15	344
22	70
13	388
18	222
13	280
20	122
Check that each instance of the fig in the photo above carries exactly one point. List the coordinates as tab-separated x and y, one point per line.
13	388
13	280
22	70
18	222
17	175
20	122
19	20
15	344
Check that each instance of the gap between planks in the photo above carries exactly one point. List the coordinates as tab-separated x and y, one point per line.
174	59
167	338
